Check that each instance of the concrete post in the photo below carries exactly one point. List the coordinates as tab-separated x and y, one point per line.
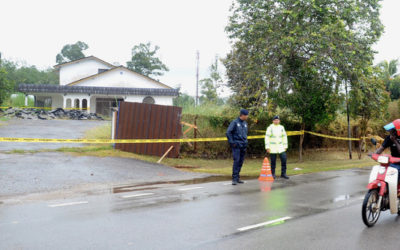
26	100
64	102
88	104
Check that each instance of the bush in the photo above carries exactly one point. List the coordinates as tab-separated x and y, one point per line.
217	121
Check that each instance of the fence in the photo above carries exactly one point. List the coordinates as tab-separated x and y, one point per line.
148	121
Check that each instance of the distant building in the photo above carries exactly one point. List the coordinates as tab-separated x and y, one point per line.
95	85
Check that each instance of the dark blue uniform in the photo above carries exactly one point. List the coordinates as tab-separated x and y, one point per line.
237	138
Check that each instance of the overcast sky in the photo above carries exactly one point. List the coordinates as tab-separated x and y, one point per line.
35	31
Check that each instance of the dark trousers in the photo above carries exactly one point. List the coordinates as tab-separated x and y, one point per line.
283	162
238	159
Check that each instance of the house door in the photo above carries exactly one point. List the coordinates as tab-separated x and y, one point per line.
104	105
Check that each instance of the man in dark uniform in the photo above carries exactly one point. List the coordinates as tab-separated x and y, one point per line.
237	138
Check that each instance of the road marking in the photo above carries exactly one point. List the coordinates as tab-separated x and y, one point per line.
263	224
128	188
227	183
192	188
136	195
69	204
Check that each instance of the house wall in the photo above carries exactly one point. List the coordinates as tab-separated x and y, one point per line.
75	71
160	100
121	78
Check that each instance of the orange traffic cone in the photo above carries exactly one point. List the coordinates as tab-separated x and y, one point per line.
266	174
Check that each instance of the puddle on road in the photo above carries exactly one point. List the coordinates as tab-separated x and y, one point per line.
345	197
145	186
341	198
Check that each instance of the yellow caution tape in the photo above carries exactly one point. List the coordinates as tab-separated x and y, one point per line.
25	107
333	137
107	141
291	133
183	140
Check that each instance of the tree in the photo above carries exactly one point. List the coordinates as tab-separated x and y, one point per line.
368	100
210	85
5	85
394	88
71	52
144	60
298	53
184	100
388	71
22	73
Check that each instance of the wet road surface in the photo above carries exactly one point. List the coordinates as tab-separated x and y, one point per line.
54	129
22	174
316	211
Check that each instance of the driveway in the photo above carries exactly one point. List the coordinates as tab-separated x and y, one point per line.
58	129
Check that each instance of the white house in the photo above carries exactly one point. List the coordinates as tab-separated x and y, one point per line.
95	85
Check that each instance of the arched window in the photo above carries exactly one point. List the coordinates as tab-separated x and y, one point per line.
84	104
76	103
149	100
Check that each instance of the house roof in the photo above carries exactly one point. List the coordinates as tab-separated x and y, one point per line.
83	59
50	88
116	68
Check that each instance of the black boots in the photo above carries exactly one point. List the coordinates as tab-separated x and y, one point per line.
284	176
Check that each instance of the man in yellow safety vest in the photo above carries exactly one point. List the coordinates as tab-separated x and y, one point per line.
276	143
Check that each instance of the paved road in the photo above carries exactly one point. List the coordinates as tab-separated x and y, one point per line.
28	174
59	129
324	211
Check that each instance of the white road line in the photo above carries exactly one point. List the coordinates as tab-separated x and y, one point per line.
192	188
263	224
69	204
227	183
136	195
128	188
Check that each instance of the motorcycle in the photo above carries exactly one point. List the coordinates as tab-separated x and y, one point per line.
383	189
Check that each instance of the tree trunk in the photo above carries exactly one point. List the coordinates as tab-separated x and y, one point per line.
301	143
360	145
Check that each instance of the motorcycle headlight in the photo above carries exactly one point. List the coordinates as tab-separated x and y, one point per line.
382	170
383	159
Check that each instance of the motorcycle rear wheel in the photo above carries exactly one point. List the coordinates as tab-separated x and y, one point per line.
370	212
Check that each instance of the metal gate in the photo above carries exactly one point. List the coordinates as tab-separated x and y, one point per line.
148	121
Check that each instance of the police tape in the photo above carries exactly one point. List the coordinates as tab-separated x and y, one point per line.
137	141
49	108
289	133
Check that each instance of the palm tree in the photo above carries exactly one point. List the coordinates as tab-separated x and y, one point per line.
390	77
389	69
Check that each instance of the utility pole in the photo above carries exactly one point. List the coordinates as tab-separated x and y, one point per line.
197	77
348	121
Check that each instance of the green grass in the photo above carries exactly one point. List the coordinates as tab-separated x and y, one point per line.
18	100
99	132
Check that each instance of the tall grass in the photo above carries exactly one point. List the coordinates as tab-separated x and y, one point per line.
208	109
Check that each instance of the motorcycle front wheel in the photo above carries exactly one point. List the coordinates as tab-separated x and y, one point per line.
370	211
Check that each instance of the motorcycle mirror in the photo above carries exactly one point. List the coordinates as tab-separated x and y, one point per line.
373	141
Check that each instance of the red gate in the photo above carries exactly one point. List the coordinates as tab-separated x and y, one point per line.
148	121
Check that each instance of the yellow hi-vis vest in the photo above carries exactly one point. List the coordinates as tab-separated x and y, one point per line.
276	139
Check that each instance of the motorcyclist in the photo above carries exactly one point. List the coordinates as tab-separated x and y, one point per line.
392	141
